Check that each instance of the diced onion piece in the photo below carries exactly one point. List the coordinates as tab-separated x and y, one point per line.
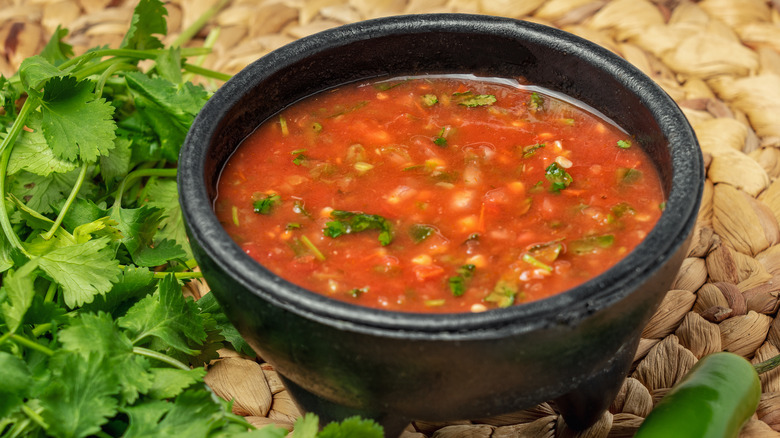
478	260
563	161
472	175
422	259
399	194
363	167
462	199
478	307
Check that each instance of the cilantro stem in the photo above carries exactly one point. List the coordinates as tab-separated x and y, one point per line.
30	344
179	275
113	68
32	415
192	68
161	357
5	221
68	203
40	329
50	292
5	337
130	53
140	173
198	24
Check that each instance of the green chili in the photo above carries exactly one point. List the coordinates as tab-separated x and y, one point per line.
715	399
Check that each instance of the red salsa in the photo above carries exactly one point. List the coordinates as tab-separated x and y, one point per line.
446	193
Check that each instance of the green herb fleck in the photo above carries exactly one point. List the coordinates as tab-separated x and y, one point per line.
622	209
457	283
503	294
316	127
420	232
536	102
292	226
558	176
624	144
430	100
662	206
472	100
441	140
299	156
357	292
348	222
533	261
529	151
435	303
626	175
265	205
589	244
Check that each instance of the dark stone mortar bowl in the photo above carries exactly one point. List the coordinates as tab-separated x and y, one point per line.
338	359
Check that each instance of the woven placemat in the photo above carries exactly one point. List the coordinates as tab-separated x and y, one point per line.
718	59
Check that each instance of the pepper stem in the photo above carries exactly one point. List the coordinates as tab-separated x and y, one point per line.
767	365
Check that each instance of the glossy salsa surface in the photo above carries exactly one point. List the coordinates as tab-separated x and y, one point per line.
438	193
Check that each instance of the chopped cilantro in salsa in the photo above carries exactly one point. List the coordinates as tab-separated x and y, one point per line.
348	222
266	204
558	177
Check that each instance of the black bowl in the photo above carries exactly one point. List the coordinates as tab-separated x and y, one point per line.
339	359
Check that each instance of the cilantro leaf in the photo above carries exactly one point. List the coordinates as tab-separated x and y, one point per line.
83	270
35	71
19	289
56	50
164	194
167	108
133	284
79	398
32	153
9	94
40	193
159	254
208	304
170	382
352	427
76	123
116	164
15	384
624	144
348	222
166	315
535	102
148	20
97	333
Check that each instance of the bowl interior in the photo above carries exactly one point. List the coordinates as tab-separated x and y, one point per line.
444	43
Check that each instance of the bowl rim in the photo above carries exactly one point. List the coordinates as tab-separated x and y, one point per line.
669	233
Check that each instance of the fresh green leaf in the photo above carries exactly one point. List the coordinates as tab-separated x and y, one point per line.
351	427
76	124
15	384
166	315
457	283
41	193
98	334
80	396
83	270
208	304
117	163
32	153
133	284
169	65
19	289
35	71
147	22
56	50
169	382
159	254
347	222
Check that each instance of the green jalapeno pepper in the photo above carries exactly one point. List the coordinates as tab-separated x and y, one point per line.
715	399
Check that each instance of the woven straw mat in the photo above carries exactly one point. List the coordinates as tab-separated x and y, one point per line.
718	59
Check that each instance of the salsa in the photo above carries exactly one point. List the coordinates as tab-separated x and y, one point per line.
438	193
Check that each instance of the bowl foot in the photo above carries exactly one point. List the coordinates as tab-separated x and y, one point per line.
584	406
328	411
